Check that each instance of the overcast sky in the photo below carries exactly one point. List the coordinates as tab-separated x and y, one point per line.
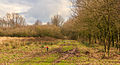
36	9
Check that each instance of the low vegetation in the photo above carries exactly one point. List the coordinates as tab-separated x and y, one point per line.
61	52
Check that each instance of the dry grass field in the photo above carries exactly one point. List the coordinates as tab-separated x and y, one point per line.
32	51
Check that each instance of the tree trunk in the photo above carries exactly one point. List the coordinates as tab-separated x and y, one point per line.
89	39
109	43
104	41
112	41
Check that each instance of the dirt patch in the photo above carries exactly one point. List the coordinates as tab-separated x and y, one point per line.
56	50
66	55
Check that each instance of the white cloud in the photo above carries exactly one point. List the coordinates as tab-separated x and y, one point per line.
6	7
45	9
30	20
63	9
36	9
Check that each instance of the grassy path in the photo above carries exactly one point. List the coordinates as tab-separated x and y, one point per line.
66	52
65	56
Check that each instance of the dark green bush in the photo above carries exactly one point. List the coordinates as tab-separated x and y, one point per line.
13	47
6	44
28	43
42	46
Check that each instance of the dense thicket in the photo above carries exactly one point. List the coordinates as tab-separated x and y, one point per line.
96	21
14	25
32	31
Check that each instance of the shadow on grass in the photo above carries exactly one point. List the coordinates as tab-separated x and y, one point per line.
87	44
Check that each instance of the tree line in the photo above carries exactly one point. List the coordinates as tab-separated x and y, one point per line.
14	25
96	21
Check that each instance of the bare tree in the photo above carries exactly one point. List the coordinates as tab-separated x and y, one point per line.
38	22
48	23
57	20
13	20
